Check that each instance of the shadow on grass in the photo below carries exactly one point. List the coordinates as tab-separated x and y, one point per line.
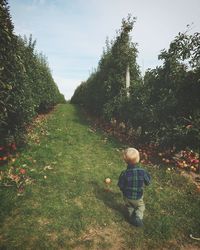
83	118
110	199
8	204
80	115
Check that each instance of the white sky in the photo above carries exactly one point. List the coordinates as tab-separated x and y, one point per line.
72	33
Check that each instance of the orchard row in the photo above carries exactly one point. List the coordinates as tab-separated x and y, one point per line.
163	107
26	84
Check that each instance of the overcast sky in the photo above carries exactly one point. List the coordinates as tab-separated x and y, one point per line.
72	33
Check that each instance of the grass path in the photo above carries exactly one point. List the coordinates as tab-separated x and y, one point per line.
66	207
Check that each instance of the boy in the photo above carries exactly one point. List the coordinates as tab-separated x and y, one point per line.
131	182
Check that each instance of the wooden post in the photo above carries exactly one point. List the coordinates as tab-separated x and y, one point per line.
127	81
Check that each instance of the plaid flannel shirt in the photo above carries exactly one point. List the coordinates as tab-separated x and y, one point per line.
132	180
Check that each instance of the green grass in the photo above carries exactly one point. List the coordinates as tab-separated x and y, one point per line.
70	208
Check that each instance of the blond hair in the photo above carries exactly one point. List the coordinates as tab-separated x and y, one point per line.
131	155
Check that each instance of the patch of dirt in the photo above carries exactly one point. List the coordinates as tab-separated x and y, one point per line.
53	236
175	245
193	177
43	221
78	202
190	247
66	232
102	238
35	204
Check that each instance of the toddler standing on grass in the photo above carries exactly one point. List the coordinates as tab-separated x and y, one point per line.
131	183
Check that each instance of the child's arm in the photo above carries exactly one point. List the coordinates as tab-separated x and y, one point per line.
147	178
121	181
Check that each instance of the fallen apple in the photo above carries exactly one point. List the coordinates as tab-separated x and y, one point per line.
107	180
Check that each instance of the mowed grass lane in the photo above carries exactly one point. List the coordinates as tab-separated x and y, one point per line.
67	206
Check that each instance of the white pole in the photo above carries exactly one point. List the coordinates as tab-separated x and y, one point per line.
127	80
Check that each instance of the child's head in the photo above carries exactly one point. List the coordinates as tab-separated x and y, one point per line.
131	155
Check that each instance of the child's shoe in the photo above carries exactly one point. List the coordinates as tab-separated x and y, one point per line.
136	221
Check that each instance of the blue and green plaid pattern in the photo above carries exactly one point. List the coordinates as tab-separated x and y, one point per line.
132	180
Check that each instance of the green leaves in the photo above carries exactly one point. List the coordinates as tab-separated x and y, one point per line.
185	48
107	84
166	98
26	84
